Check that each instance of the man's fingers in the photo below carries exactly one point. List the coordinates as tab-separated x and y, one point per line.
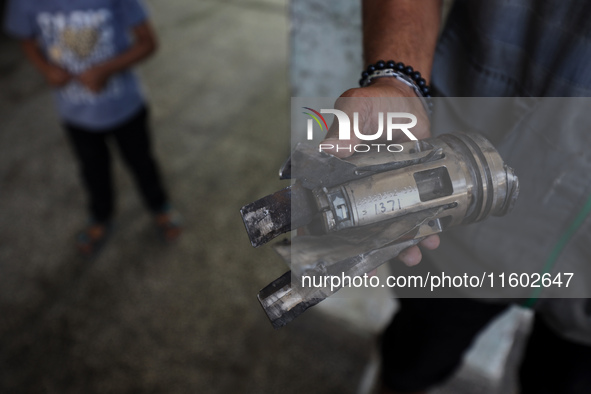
431	242
411	256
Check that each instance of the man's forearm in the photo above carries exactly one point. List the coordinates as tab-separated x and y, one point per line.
401	30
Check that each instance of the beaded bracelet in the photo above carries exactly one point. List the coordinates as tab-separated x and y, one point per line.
405	74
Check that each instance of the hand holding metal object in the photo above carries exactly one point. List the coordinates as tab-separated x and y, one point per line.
364	210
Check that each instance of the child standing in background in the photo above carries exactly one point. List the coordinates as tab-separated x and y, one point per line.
85	49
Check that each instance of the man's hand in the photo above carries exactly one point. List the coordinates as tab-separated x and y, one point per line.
413	256
383	95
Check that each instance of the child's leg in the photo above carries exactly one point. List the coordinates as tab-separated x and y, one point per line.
134	143
91	150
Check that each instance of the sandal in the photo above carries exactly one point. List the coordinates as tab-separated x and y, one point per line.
90	240
168	225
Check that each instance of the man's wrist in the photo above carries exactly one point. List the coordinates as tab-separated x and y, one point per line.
393	83
404	74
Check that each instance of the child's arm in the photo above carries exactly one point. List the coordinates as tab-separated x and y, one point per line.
144	45
54	75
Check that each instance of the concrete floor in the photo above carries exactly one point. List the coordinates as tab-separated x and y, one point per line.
145	317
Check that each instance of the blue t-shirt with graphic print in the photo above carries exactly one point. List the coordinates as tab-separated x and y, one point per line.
77	35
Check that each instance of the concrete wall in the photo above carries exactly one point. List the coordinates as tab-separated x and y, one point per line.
325	47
